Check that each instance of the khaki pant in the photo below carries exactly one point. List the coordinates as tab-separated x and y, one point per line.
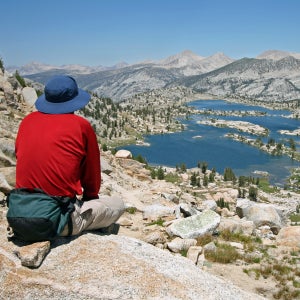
95	214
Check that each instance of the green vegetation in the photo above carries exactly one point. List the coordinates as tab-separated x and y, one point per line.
239	237
295	218
20	79
158	222
224	254
172	177
2	65
140	159
184	252
265	186
253	192
195	179
131	210
182	168
229	175
221	203
104	147
204	239
160	173
203	166
284	271
285	275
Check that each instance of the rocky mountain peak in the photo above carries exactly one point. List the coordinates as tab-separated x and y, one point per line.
277	55
181	59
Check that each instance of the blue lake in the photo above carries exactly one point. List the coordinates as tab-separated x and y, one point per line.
218	151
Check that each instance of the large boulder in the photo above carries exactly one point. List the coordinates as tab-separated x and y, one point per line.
289	236
105	166
93	266
261	214
29	95
8	92
236	225
123	154
195	226
156	211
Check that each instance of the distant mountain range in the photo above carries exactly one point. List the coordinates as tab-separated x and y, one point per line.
36	67
271	76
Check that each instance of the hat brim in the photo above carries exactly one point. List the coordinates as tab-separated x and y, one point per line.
69	106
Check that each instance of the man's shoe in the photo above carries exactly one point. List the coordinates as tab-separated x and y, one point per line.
111	229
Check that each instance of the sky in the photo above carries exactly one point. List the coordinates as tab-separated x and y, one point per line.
107	32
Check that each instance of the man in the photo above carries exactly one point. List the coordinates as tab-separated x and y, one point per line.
57	151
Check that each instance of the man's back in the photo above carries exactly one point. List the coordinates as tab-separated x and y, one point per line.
59	154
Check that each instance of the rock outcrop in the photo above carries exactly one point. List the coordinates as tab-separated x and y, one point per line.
110	267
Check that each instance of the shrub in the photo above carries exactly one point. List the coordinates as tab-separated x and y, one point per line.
184	252
158	222
223	254
172	177
253	193
140	159
160	173
1	65
265	186
221	203
204	239
104	147
131	210
20	79
295	218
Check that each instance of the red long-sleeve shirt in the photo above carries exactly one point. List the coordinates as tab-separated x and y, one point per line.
59	154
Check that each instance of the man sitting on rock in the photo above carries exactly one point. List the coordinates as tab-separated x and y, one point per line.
57	151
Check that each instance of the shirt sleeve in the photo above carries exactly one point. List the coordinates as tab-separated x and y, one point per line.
90	166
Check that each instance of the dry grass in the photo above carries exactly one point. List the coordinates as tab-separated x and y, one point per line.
224	254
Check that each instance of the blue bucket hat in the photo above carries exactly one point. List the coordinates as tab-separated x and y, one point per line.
61	96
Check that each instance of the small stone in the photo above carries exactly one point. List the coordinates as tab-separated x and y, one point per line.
124	221
155	238
33	255
193	253
178	244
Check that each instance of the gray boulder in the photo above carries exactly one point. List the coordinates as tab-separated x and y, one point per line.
178	244
209	204
155	211
29	95
187	210
195	226
236	225
261	214
105	166
111	267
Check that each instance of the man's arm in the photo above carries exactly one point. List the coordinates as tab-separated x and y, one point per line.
90	167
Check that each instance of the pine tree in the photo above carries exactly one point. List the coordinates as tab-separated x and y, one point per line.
193	179
160	173
253	193
229	175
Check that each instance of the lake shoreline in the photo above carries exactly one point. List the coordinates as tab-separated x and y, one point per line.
202	138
